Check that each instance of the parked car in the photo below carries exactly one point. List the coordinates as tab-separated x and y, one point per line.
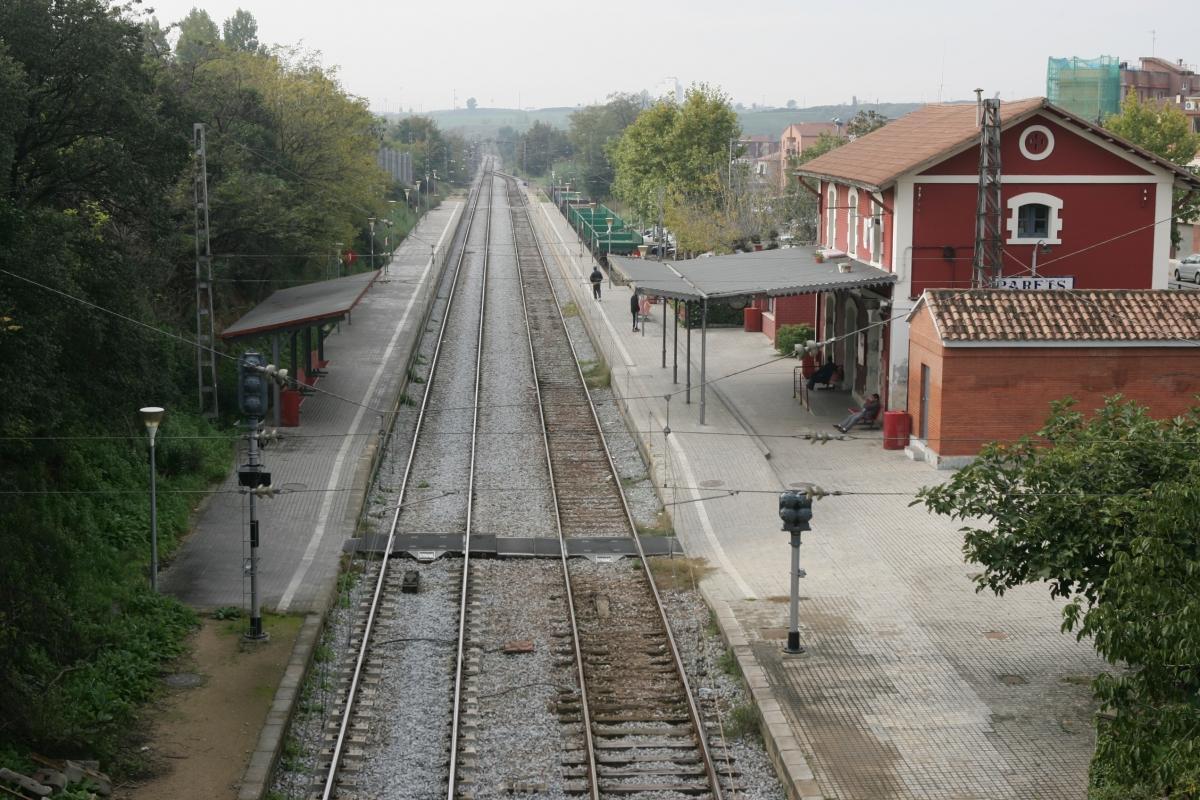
1189	269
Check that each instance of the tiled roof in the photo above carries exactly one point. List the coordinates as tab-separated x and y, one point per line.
885	154
1010	315
934	132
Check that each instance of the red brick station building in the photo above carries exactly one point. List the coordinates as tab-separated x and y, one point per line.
1095	208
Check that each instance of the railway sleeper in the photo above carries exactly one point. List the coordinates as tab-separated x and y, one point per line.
652	744
645	788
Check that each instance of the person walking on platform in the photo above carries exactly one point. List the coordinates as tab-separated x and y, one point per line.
597	277
635	307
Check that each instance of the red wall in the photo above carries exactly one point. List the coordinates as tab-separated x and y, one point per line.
794	310
1072	155
981	394
944	216
842	213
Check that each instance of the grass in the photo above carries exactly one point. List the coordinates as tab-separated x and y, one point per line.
678	573
596	374
570	310
743	722
662	526
727	662
405	400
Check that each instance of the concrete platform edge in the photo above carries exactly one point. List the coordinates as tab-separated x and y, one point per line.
782	748
256	780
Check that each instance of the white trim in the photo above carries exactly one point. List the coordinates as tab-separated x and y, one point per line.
1160	263
1100	179
831	215
1153	170
1069	344
1053	225
852	222
1049	142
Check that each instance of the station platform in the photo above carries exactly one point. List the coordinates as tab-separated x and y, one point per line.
302	532
913	685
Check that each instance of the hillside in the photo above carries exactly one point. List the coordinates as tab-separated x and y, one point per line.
484	123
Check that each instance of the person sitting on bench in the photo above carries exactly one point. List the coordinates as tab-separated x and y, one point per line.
867	413
827	374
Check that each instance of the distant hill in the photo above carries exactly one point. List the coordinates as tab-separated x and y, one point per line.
484	123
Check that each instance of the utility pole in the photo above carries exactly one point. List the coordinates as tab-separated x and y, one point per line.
206	365
986	266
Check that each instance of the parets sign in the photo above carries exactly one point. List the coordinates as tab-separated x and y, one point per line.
1032	283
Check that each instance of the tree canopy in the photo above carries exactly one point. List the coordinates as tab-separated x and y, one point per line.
681	150
1165	131
594	131
96	116
1104	511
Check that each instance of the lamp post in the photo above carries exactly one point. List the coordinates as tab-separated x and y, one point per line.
371	226
1040	246
151	418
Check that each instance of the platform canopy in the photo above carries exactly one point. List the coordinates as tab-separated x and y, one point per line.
774	273
302	306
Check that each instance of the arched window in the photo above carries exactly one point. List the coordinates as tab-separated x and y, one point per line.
852	228
1034	217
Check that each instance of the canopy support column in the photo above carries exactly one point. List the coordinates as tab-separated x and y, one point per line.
275	387
675	350
687	315
703	353
664	342
294	375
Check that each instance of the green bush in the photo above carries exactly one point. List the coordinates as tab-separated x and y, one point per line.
788	336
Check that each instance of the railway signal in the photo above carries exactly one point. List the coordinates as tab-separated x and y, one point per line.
795	509
252	401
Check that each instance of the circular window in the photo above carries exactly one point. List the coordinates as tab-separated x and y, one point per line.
1036	142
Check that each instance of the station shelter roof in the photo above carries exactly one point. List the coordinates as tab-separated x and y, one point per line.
301	307
774	273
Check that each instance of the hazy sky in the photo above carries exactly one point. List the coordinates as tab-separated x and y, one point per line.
541	53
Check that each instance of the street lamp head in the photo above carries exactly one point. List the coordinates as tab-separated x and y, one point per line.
152	418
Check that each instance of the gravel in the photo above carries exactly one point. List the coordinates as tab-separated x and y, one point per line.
519	737
512	484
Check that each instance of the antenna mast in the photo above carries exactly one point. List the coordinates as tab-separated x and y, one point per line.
986	266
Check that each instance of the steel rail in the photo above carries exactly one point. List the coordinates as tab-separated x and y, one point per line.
360	660
452	782
693	709
588	741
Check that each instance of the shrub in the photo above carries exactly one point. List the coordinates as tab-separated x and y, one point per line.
788	336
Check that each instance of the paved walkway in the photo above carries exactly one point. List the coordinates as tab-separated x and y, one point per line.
913	686
329	454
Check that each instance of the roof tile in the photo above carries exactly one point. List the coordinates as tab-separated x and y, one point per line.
1009	315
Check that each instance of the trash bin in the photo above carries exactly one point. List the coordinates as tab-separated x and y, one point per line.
752	319
896	427
289	407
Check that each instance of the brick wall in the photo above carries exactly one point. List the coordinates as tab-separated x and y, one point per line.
982	394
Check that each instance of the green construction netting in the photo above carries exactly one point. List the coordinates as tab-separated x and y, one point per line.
1087	87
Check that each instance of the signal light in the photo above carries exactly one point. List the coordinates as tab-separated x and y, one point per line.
252	385
795	509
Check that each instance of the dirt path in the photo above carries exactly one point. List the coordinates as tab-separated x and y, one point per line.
206	726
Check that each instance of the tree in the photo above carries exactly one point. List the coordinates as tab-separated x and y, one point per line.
241	32
1165	131
864	122
472	103
1105	511
799	210
540	146
791	104
199	38
680	149
593	132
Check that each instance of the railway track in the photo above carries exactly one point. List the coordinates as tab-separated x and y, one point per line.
606	669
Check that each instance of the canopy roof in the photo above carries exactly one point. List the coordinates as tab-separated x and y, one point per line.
302	306
774	273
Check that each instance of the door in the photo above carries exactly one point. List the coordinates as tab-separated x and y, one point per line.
923	419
